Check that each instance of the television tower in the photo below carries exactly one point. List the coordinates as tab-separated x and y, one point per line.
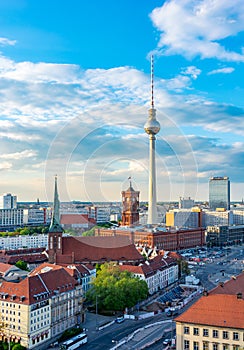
152	127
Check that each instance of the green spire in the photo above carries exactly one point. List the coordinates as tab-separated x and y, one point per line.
55	223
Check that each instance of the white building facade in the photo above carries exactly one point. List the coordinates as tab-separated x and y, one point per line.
29	241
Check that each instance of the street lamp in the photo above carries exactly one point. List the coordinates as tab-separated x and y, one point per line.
97	296
96	311
116	342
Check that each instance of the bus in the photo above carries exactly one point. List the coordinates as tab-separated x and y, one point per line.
74	342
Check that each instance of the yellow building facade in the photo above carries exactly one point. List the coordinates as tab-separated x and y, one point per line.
214	322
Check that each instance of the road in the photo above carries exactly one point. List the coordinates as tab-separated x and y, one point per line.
107	338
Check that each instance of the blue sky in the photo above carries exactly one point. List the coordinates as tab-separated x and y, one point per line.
75	94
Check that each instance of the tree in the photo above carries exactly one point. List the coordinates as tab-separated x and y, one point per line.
22	265
25	231
115	290
90	232
18	347
183	267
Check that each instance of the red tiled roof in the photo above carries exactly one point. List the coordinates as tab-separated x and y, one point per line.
151	267
233	286
4	267
77	270
139	270
34	286
29	255
70	219
90	249
44	267
216	310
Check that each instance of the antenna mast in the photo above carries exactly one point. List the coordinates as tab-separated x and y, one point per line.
152	67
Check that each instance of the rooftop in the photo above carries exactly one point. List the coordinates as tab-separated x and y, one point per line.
216	310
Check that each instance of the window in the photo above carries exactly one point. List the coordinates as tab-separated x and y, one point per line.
195	331
215	333
205	346
186	344
205	332
225	347
195	345
225	335
215	346
236	347
186	330
235	336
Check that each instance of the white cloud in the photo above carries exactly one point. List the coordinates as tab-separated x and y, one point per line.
19	155
193	71
19	136
193	28
179	83
6	41
78	123
39	72
226	70
5	166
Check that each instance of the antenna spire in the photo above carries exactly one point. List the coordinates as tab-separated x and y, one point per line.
152	76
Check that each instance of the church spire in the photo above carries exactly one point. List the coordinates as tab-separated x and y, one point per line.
55	223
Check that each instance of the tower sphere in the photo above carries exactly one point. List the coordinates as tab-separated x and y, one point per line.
152	126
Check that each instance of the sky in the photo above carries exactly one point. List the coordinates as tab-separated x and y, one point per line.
75	93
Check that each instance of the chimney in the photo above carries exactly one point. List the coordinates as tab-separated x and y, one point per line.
239	295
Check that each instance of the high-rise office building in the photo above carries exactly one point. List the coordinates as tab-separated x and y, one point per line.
8	201
219	193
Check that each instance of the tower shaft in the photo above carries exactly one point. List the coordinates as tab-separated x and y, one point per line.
152	127
152	196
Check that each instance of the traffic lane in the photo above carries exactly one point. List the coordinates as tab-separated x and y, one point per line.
159	344
116	332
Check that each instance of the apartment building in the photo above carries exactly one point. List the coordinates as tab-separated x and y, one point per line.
41	307
30	241
158	273
215	321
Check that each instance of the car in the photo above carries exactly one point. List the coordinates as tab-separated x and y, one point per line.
167	342
119	319
172	313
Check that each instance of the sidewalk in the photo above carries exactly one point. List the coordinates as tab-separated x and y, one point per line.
93	321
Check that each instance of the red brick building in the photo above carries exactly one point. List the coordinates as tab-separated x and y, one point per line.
167	240
87	250
29	255
92	250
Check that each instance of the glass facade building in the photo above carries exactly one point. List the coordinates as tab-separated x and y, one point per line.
219	193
